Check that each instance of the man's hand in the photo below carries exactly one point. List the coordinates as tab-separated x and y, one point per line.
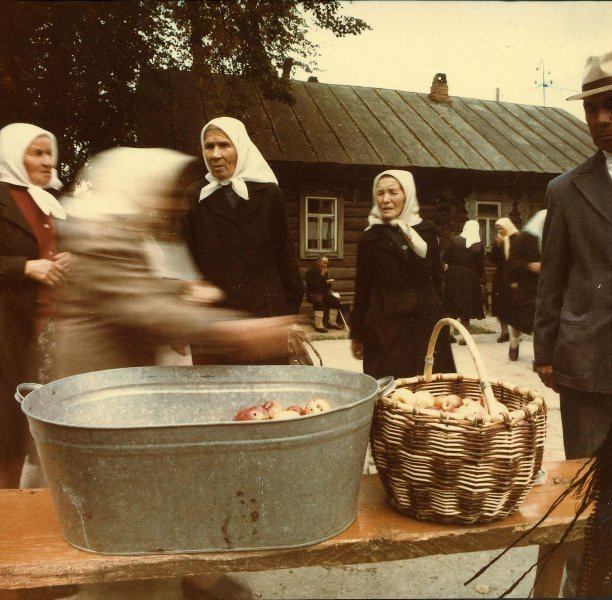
546	376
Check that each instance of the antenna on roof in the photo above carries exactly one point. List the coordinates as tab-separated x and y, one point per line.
544	84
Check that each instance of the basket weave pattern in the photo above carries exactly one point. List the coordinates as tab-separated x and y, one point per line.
437	467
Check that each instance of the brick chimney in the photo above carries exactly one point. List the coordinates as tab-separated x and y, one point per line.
439	89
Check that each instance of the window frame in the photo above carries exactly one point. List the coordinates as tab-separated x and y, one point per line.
496	203
309	253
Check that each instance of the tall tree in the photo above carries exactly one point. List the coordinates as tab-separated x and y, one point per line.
74	67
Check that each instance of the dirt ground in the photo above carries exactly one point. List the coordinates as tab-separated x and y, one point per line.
440	576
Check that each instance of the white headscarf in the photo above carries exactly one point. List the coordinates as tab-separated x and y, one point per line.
14	141
250	165
410	212
471	233
123	181
510	229
535	226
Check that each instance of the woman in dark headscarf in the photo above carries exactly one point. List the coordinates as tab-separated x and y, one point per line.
30	266
398	284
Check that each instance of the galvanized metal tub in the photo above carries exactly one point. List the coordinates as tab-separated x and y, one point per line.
148	460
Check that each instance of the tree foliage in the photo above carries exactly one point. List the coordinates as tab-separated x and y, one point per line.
74	67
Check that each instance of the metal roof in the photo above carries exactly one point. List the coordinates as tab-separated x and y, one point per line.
353	125
346	124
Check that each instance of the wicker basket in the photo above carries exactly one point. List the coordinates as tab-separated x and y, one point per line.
436	466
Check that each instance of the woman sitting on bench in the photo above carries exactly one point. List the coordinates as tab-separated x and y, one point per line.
320	295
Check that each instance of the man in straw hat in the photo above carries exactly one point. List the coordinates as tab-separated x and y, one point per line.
573	321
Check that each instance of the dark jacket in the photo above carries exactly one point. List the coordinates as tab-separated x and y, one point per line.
317	286
18	296
523	282
247	251
397	302
500	286
573	322
462	292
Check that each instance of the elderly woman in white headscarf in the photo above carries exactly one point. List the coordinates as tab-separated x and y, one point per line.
398	284
117	310
506	236
465	274
524	272
30	267
237	228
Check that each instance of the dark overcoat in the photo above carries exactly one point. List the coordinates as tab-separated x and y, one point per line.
573	322
18	296
500	286
247	251
462	292
397	303
523	282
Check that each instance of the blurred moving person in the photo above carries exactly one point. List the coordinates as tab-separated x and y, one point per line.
116	310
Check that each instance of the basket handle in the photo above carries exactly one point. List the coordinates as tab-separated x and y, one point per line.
493	407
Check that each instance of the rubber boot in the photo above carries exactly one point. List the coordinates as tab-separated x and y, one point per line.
318	321
333	319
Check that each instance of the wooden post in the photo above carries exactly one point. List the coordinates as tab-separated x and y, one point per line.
548	577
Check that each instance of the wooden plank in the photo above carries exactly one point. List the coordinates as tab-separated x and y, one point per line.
33	553
412	146
548	576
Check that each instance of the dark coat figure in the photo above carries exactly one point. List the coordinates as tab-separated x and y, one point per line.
30	266
18	296
523	282
574	303
397	303
500	285
247	251
462	291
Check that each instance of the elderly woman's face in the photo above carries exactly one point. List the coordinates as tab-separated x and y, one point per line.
220	154
38	161
390	198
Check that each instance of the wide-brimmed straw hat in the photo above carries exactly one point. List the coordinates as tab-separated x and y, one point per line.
597	77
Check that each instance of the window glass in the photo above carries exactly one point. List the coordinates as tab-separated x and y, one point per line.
321	221
488	213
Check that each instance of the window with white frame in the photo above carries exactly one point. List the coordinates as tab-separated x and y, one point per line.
487	213
321	226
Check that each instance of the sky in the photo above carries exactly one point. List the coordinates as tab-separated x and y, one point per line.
481	46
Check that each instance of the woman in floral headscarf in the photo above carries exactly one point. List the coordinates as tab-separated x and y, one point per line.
30	267
237	228
398	284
